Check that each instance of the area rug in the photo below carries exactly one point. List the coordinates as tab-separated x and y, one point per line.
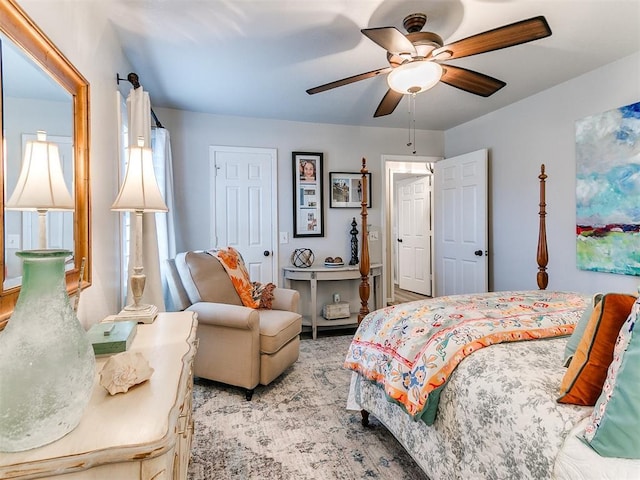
296	428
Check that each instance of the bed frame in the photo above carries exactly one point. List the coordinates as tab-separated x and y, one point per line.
365	289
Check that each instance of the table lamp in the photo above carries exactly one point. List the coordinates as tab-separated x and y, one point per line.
41	186
140	194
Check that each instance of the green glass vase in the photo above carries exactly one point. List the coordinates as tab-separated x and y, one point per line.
47	364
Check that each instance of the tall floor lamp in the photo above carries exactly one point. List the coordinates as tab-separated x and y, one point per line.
140	194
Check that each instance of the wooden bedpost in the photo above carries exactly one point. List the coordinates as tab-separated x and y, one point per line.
364	289
543	255
364	265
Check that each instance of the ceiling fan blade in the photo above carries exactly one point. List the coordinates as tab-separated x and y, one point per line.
501	37
470	81
348	80
388	103
391	39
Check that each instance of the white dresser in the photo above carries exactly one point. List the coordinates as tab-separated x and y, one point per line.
142	434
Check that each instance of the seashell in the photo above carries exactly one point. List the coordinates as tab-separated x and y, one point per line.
123	371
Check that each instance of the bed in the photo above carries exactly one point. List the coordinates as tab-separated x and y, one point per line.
463	392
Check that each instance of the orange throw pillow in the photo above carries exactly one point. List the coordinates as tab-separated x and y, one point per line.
237	271
585	376
252	294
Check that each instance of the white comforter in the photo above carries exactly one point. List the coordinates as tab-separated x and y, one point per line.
498	419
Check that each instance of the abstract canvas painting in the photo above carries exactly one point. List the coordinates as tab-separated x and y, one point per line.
608	191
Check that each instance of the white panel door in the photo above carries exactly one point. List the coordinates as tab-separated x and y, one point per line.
244	206
461	225
414	235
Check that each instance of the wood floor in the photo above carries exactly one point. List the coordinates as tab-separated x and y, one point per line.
402	296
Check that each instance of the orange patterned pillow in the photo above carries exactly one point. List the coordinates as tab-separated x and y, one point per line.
233	264
585	376
253	295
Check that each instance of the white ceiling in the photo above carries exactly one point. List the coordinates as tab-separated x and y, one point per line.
257	58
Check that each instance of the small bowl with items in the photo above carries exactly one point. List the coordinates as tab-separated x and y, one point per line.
333	262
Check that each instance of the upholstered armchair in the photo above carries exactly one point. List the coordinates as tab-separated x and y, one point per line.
239	345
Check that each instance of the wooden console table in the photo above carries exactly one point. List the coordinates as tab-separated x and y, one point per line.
143	434
313	275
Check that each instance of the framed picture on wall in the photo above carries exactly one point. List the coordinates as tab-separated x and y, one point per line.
345	189
308	206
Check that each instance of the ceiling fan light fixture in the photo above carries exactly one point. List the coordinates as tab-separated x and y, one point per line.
414	77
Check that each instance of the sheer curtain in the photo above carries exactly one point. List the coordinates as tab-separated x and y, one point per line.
163	167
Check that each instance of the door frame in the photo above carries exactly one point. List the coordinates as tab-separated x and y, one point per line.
392	164
273	166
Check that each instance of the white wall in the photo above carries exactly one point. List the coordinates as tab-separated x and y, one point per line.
343	148
80	31
540	129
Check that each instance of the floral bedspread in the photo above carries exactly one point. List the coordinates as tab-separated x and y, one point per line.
498	418
411	349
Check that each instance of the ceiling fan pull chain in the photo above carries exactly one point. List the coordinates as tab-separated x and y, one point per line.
413	121
409	143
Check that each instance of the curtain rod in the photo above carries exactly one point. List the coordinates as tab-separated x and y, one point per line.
133	79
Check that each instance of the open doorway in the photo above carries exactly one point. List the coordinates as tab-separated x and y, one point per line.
399	168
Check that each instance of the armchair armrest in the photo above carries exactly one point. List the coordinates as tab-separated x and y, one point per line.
285	299
223	315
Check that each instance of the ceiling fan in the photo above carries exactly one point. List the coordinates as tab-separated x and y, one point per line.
415	58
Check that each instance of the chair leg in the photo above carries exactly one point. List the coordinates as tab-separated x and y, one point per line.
249	394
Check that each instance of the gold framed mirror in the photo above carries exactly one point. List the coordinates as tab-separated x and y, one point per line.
23	37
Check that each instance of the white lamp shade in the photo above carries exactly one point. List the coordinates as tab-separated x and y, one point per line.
139	191
41	184
414	77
